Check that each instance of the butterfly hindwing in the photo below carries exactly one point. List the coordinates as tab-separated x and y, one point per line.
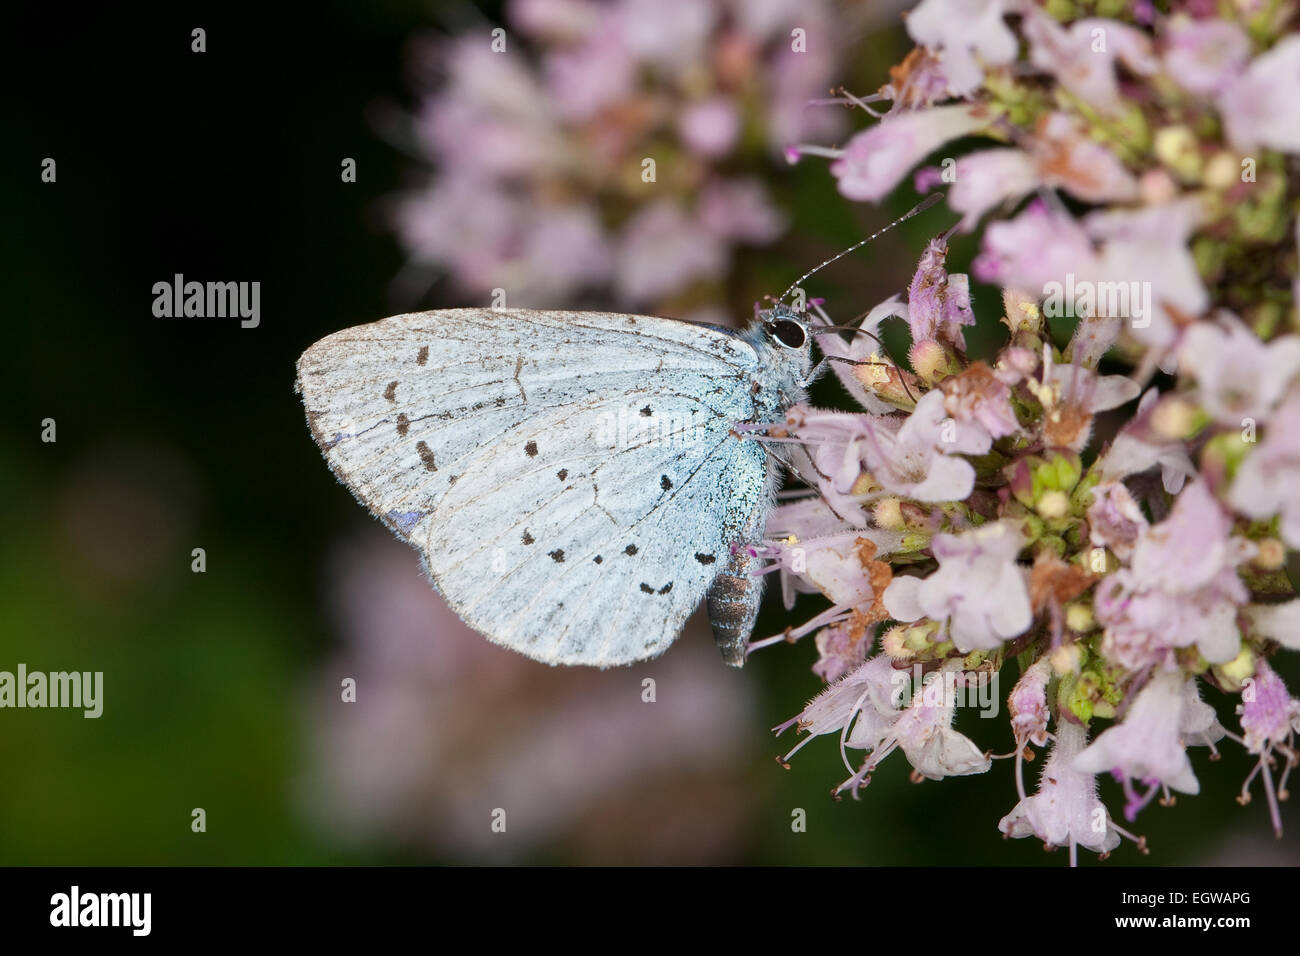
571	478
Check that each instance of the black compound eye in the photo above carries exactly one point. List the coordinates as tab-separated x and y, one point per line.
789	333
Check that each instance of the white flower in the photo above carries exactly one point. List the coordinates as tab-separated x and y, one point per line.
1065	811
1149	744
1262	107
1082	56
1238	376
1204	56
865	701
919	460
924	733
875	160
960	30
1268	481
1146	252
1277	622
1133	452
978	591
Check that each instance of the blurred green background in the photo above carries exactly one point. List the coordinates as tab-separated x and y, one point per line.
221	688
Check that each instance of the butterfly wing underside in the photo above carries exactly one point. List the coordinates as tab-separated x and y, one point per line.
571	479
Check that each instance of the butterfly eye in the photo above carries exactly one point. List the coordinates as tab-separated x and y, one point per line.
788	333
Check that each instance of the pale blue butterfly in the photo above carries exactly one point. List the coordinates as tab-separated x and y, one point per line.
574	481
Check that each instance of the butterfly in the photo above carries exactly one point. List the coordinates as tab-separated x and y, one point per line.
574	481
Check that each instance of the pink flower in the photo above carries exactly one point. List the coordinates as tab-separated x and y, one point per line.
924	733
978	592
1268	481
1277	622
862	705
1262	106
1092	339
1096	393
710	127
1065	811
1204	56
738	210
1063	156
1181	589
1200	726
1028	704
1068	158
1036	247
917	458
920	460
966	33
661	250
1082	56
1148	746
1147	249
583	80
555	19
671	34
1135	450
1237	375
938	304
1189	549
860	348
875	161
1114	519
839	650
983	180
980	399
1270	717
794	78
1142	269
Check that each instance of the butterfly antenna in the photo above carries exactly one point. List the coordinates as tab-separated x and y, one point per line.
919	208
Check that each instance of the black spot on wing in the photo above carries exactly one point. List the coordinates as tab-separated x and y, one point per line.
598	559
422	356
390	392
705	558
403	424
665	483
562	474
630	549
426	456
528	538
557	556
646	412
531	449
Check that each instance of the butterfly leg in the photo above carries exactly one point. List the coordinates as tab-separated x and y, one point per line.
815	374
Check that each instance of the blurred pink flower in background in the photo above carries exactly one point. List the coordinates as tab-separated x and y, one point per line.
447	727
541	184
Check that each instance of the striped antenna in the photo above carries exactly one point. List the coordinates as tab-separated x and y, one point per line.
920	207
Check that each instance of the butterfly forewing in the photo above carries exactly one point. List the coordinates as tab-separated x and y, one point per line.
570	478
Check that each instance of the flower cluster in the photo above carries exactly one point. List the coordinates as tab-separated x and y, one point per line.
1135	188
631	135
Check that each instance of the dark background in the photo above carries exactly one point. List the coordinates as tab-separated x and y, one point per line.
182	433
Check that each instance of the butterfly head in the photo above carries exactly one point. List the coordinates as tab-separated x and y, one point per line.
782	336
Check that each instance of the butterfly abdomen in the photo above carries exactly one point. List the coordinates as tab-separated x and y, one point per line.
733	601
